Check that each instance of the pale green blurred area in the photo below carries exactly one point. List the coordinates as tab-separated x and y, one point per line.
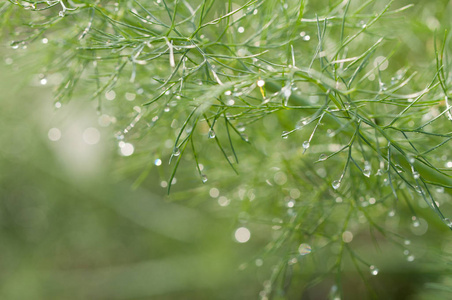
71	230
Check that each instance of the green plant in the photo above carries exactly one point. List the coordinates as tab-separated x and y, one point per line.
364	135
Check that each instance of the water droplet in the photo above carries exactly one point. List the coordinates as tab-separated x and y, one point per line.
416	175
410	258
61	13
223	201
336	184
448	222
285	134
322	157
330	133
259	262
292	261
119	136
381	62
43	81
15	45
407	242
367	169
158	162
418	189
399	168
45	40
91	136
104	120
58	104
406	252
241	29
130	96
211	134
287	91
416	223
110	95
214	192
260	83
306	144
304	249
373	270
126	149
291	203
391	213
204	178
306	38
242	235
176	151
54	134
347	236
167	108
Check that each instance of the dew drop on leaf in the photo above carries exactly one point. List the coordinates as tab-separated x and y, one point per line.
336	184
373	270
259	262
211	134
204	178
126	149
304	249
176	151
448	222
306	144
242	235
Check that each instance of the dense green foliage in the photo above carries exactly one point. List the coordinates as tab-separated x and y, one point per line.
317	132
